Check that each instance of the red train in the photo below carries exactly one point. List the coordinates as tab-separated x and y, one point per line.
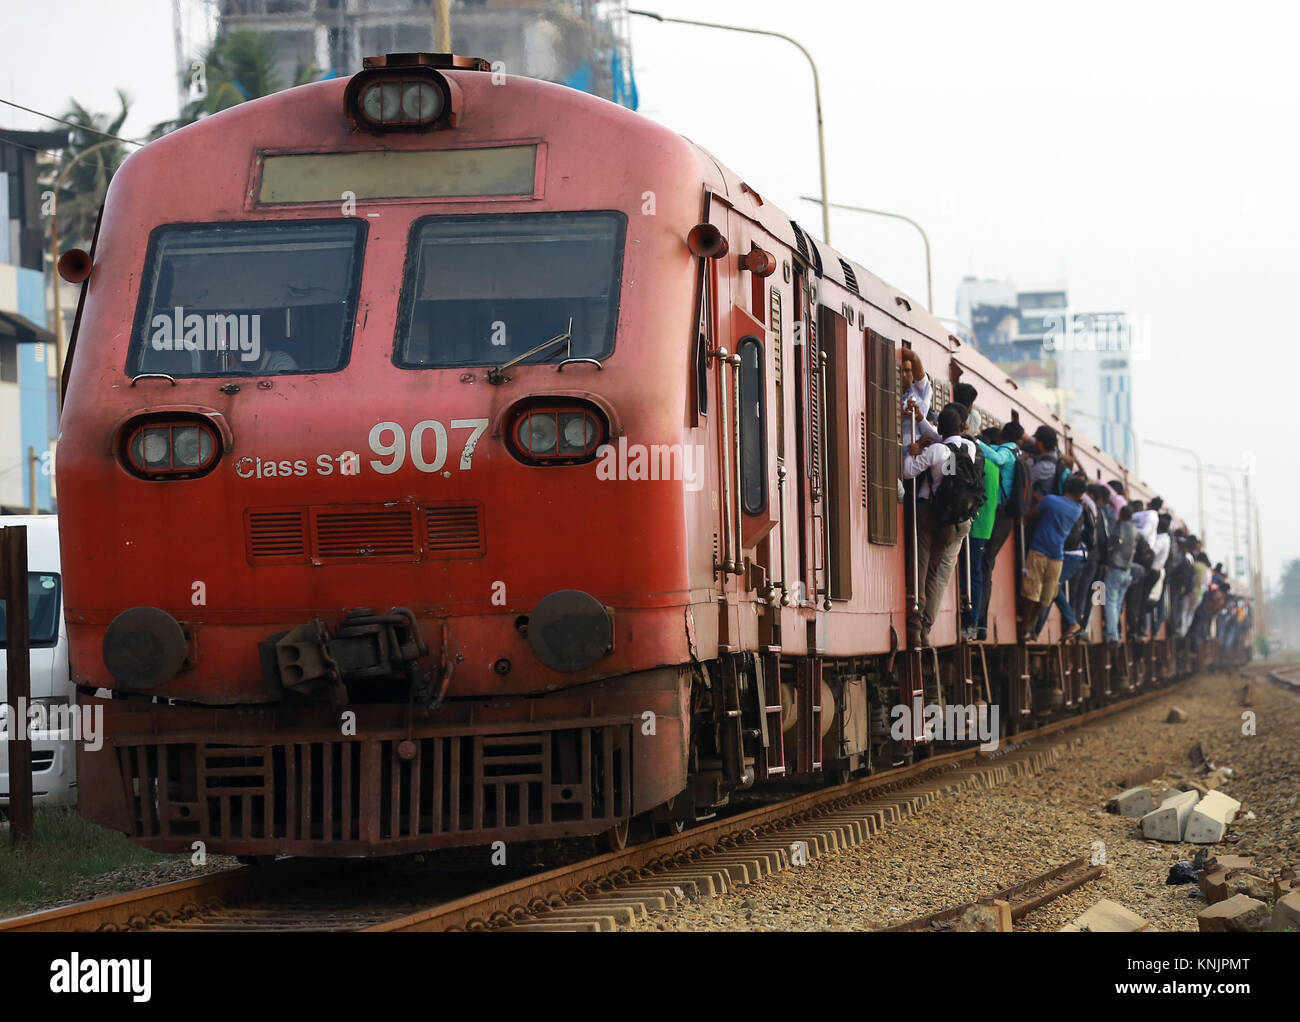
450	457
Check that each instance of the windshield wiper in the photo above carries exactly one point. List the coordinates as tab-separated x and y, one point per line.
498	376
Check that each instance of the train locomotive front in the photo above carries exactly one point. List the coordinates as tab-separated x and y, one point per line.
348	524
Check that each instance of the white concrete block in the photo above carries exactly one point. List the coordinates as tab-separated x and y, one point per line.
1209	820
1136	802
1168	822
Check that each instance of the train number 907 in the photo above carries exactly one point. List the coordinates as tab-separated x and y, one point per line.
427	444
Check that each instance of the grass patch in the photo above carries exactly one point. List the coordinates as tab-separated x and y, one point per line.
65	849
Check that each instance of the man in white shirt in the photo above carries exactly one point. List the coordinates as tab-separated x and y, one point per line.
1148	521
1157	598
937	544
917	391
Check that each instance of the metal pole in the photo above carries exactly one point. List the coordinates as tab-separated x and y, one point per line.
929	276
442	26
182	83
1200	479
970	331
1261	617
817	92
1137	471
13	586
916	596
33	503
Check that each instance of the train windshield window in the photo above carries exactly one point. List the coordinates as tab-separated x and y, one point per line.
248	299
482	290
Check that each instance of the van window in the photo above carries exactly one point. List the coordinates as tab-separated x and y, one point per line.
42	610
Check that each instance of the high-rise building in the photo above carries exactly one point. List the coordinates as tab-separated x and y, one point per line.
1079	364
580	43
28	378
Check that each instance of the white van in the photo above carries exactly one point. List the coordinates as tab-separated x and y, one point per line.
54	760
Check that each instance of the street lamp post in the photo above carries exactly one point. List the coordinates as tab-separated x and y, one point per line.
929	276
1112	422
1232	486
1200	480
817	91
970	331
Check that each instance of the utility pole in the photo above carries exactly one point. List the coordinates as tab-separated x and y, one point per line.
13	587
441	26
33	502
182	78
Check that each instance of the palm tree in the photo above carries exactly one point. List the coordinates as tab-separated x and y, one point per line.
83	187
237	67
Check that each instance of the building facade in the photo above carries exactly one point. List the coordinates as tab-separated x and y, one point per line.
580	43
29	411
1077	363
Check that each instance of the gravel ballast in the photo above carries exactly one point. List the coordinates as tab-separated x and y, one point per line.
960	848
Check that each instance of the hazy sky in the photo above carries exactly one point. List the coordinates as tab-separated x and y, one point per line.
1143	151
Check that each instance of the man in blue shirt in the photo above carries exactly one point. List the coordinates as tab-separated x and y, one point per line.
1055	518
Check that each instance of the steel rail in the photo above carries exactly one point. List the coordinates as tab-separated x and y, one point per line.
133	910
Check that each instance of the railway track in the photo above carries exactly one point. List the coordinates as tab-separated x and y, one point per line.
1287	677
599	893
1021	899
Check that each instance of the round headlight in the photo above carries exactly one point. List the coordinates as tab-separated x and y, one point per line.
192	446
537	434
372	103
419	101
157	447
578	431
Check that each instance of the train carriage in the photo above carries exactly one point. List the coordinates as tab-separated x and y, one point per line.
449	457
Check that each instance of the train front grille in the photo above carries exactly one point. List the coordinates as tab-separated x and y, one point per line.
361	793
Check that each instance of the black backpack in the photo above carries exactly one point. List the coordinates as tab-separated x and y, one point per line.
960	493
1058	477
1020	500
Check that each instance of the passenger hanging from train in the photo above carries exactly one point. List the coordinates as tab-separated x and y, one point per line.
1158	593
917	391
949	495
1119	561
1052	466
982	529
1057	522
1179	574
1004	455
1100	523
1143	555
1117	498
917	395
1078	564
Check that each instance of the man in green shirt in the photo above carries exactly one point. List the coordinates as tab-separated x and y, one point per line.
999	449
981	529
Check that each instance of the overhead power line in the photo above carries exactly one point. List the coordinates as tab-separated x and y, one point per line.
70	124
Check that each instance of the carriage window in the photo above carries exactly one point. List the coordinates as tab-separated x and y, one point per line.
42	610
482	290
753	428
248	299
